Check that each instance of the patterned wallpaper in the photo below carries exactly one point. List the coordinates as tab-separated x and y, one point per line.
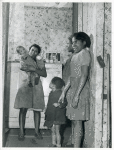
48	27
16	29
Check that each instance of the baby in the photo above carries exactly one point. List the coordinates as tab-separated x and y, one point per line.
26	60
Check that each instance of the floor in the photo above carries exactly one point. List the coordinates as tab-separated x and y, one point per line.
12	138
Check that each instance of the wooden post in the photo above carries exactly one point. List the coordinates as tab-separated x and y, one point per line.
5	26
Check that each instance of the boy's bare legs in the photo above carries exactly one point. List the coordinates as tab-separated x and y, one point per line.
22	116
53	129
78	133
58	136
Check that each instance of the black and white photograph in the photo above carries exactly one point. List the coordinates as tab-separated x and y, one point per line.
56	69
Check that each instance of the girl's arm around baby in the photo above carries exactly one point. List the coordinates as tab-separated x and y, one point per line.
42	72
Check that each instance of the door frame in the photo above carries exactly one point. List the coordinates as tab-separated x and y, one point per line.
5	32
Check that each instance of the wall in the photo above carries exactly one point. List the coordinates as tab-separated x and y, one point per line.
16	29
107	50
46	24
95	19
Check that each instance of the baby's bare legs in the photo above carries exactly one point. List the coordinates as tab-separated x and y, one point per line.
30	79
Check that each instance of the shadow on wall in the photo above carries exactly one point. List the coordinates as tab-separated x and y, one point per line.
89	125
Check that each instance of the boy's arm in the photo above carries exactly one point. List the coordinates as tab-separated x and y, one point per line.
64	104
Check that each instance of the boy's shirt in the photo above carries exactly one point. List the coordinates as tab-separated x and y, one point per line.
54	97
55	113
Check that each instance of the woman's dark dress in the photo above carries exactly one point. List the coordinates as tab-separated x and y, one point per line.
55	115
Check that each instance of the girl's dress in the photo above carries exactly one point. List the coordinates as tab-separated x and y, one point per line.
55	115
29	97
82	112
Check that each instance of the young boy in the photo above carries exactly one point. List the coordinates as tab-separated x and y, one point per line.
55	114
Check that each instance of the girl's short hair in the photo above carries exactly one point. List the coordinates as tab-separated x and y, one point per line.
83	37
37	46
58	82
18	49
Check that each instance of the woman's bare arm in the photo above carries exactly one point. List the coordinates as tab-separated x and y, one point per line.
64	91
67	86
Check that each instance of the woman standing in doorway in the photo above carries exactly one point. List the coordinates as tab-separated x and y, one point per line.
31	97
78	104
66	66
